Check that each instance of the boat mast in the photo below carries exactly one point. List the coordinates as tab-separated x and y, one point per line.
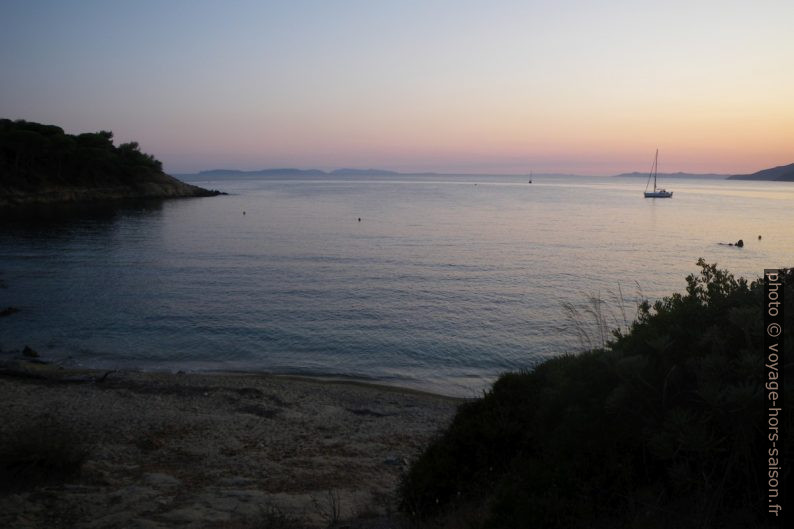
655	168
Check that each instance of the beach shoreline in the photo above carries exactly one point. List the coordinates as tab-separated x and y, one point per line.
218	449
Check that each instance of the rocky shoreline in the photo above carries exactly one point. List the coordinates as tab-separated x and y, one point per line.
165	187
212	450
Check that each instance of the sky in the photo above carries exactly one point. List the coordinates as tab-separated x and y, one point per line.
499	86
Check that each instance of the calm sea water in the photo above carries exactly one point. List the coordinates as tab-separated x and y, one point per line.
443	284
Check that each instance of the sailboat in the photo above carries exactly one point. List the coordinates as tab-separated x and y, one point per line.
657	192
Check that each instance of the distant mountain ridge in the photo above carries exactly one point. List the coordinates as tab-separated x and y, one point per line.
263	172
374	172
783	173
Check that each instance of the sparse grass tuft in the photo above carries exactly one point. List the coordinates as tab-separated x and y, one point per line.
331	508
598	321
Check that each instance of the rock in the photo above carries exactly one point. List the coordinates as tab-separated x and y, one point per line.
397	460
159	480
8	311
27	351
740	243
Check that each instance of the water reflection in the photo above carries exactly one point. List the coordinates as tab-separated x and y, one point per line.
52	221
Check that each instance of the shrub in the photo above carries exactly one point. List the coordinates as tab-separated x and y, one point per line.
663	428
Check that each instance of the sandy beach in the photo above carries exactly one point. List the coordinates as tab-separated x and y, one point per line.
215	450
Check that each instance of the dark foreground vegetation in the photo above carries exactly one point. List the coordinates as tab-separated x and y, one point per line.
46	450
42	164
666	427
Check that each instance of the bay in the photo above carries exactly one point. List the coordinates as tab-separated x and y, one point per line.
444	283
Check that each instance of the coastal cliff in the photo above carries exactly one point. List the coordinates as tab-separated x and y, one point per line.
40	164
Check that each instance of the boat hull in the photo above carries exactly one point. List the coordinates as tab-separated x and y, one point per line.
659	194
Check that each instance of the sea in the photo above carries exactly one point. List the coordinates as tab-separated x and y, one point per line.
437	283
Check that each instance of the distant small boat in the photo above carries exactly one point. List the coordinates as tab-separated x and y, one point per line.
657	192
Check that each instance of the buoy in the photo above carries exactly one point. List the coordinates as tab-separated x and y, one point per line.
759	237
359	219
243	212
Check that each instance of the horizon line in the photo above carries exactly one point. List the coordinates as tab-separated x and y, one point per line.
386	172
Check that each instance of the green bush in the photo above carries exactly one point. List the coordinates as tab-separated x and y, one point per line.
663	428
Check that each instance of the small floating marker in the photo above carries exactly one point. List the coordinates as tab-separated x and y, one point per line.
359	219
759	237
243	212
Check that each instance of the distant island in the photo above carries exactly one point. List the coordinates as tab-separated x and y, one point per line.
40	164
783	173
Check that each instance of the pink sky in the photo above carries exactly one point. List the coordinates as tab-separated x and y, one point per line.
507	87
